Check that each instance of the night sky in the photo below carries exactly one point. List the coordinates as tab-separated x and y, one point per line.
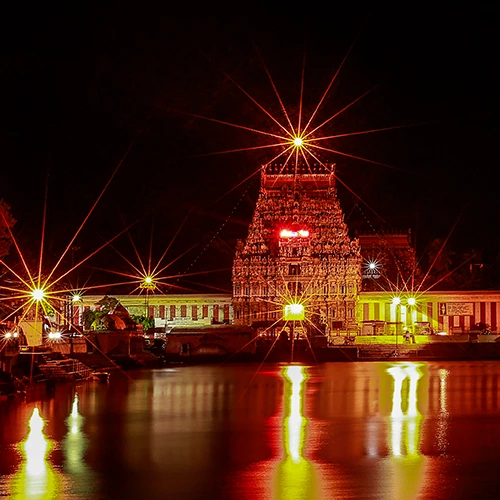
83	87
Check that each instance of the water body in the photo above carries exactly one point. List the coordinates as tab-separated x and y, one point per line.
383	430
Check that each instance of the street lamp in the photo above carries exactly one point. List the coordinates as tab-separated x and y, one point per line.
396	301
148	284
293	312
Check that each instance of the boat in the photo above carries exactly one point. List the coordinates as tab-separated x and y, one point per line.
102	377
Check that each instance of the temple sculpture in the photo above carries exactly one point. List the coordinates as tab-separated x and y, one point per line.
297	251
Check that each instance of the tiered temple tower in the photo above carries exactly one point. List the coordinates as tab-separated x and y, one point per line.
297	251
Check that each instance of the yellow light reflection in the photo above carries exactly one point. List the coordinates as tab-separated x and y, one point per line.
411	418
296	475
295	423
442	434
35	478
405	430
74	443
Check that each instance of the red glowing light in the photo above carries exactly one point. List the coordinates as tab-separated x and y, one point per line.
287	233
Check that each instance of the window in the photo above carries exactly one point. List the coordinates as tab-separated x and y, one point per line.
194	312
183	311
294	269
294	287
172	313
205	311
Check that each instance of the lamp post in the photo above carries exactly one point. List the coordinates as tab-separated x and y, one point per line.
147	284
396	301
293	312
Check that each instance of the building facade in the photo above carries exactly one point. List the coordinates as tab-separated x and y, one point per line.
297	251
167	310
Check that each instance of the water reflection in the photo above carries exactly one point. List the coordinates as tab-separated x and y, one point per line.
405	431
405	425
36	478
296	475
442	431
343	430
74	446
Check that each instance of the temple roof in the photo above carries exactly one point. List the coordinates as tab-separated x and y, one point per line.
279	173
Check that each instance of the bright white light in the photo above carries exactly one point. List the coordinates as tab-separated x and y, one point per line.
55	335
372	265
301	233
396	300
297	142
294	312
8	335
412	301
37	294
76	298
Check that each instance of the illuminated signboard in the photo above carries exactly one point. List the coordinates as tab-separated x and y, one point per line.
287	233
294	312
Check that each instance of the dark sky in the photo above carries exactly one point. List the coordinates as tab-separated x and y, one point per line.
81	87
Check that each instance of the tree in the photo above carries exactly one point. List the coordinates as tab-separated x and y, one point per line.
6	223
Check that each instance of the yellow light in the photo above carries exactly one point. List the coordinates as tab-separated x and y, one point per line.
148	283
294	312
38	294
76	298
8	335
298	142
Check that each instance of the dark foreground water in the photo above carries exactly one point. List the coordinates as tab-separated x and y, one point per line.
340	430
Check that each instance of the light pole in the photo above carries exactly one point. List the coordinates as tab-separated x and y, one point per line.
396	301
147	284
293	312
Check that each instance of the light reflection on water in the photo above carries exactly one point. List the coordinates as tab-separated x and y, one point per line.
295	475
36	477
339	430
405	431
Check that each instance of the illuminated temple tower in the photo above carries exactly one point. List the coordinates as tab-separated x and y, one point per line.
297	250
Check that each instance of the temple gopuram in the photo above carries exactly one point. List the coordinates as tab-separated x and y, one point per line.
297	252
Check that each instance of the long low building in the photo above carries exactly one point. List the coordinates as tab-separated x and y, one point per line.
167	310
377	313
